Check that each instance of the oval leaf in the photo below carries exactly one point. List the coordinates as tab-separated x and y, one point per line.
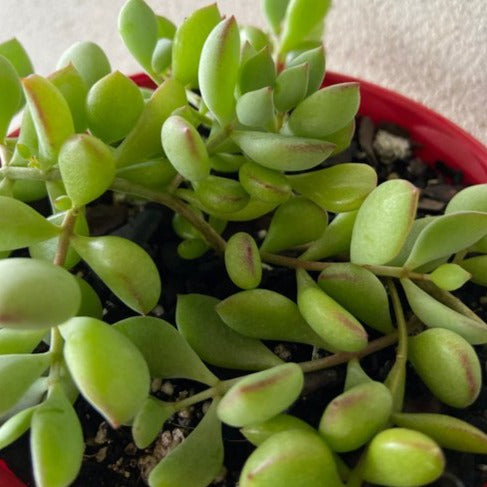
257	72
242	261
15	427
10	94
450	276
477	267
16	54
20	341
473	198
256	108
315	58
222	195
291	86
149	421
275	11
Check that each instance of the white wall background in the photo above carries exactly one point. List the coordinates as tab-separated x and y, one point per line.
434	51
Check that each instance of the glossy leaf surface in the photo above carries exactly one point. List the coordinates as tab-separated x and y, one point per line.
281	152
477	267
166	352
450	276
472	198
260	396
107	368
215	342
155	174
149	421
10	94
124	267
222	195
15	427
36	294
91	304
340	188
20	341
355	375
242	261
383	222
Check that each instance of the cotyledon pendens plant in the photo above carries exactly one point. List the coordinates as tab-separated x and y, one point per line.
237	127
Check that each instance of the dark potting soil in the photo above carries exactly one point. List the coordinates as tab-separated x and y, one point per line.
112	459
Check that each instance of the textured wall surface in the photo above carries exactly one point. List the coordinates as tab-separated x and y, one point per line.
434	51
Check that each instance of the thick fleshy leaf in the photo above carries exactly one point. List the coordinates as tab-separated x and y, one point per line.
257	38
137	25
227	163
315	58
351	419
383	222
333	323
113	106
17	55
203	449
393	452
124	267
360	292
266	314
166	352
342	138
307	221
36	294
260	396
291	86
91	304
155	174
282	152
450	276
294	457
242	261
185	148
17	373
448	365
477	267
335	240
10	94
355	375
222	195
325	111
162	56
89	59
22	226
257	72
447	431
192	248
20	341
149	421
473	198
256	108
87	168
218	70
15	427
73	87
339	188
275	11
446	235
215	342
108	369
51	116
302	16
188	43
144	140
165	28
56	441
437	315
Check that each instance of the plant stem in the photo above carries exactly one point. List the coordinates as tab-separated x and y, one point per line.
4	156
67	231
211	236
31	173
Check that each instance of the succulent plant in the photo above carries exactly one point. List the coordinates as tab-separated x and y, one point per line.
235	127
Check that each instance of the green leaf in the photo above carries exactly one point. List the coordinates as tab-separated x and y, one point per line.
473	198
162	56
342	138
165	28
166	352
36	294
437	315
335	239
264	184
256	108
448	365
215	342
15	427
291	86
260	396
124	267
450	276
282	152
334	324
10	94
91	304
369	304
192	248
325	111
17	373
16	54
227	163
339	188
275	11
393	452
295	457
446	235
266	314
113	106
203	449
315	58
138	28
355	375
307	221
257	38
222	195
242	261
108	369
383	222
257	72
51	116
351	419
20	341
302	16
154	174
188	43
185	148
218	70
477	267
149	421
72	86
87	168
56	441
22	226
144	140
447	431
